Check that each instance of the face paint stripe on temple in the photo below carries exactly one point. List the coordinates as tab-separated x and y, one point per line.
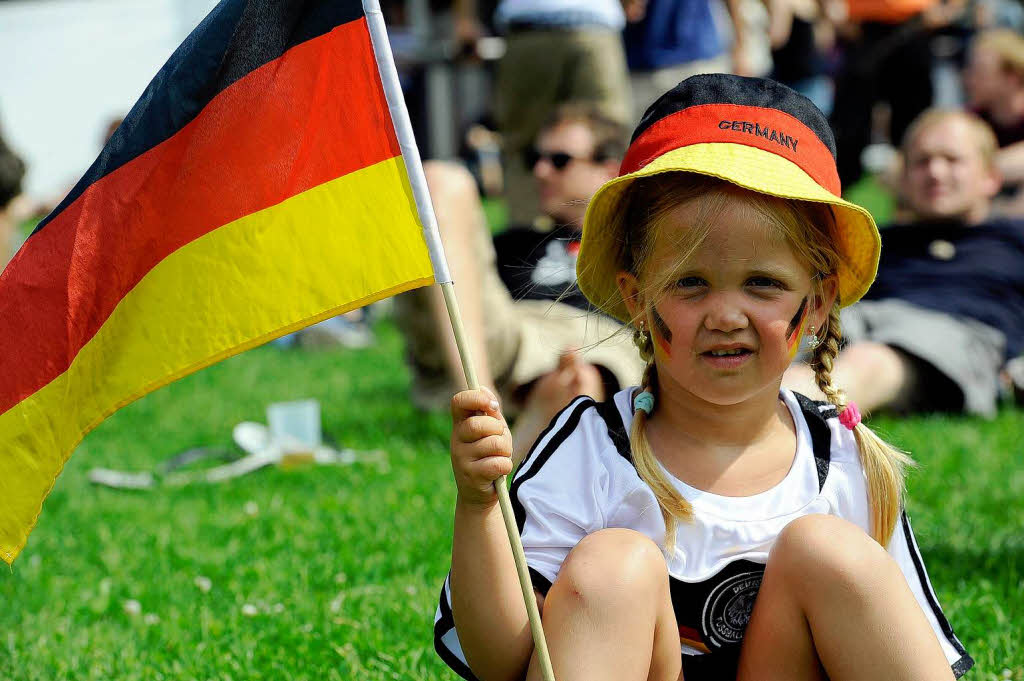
796	325
662	334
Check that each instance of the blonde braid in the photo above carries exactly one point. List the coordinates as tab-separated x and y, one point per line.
824	358
884	465
673	506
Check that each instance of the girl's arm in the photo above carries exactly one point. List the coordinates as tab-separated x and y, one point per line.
487	603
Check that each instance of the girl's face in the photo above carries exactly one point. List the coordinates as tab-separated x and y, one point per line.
730	322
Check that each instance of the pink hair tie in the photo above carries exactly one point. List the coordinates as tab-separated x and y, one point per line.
850	416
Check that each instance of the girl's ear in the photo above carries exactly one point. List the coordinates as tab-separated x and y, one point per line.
823	300
629	289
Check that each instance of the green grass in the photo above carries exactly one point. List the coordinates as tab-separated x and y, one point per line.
342	565
870	193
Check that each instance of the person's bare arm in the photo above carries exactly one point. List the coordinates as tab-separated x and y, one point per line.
460	219
466	9
780	22
550	394
1010	161
635	10
468	26
487	603
739	38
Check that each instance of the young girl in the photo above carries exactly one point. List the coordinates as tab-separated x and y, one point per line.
708	512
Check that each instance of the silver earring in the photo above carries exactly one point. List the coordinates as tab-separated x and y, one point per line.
812	338
641	332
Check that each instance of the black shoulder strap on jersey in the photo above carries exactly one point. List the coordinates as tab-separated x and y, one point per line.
817	414
616	428
545	451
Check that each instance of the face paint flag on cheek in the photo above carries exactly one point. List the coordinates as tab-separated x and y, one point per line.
662	334
796	327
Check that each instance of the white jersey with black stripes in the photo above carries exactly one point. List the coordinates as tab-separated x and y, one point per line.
579	478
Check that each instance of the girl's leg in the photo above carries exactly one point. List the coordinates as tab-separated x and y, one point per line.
834	603
609	614
872	374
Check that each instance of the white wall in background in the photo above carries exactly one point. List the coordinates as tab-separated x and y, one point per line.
68	66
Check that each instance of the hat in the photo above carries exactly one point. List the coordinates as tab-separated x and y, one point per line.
755	133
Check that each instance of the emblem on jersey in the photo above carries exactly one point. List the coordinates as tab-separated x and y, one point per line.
557	267
728	607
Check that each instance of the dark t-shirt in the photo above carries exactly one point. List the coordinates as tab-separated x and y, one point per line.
975	272
538	265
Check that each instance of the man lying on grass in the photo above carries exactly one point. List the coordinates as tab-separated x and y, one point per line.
947	309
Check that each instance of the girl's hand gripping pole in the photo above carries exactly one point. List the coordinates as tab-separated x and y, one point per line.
500	486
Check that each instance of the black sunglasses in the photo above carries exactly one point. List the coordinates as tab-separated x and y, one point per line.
558	159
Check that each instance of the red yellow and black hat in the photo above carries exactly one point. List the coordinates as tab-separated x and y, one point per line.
755	133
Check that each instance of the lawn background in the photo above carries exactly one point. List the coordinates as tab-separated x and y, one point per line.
333	573
343	565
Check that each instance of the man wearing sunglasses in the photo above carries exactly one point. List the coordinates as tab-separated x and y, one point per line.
534	340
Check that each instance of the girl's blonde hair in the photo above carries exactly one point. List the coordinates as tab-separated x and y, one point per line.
809	229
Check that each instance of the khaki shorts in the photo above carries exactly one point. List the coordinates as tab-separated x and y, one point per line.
524	339
946	351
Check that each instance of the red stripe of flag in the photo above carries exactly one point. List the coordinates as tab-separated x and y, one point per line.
316	113
739	125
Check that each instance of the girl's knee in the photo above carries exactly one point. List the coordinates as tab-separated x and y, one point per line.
829	552
614	562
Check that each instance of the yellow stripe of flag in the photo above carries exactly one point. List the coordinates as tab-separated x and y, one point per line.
246	280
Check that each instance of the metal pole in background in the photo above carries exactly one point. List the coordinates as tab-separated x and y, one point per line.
439	82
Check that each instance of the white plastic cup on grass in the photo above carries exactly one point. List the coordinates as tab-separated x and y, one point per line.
295	425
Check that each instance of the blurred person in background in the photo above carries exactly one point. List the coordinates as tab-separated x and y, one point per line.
946	310
35	208
12	170
534	340
798	36
992	13
887	57
556	51
994	83
668	41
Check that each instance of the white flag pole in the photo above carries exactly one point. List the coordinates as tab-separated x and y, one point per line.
425	208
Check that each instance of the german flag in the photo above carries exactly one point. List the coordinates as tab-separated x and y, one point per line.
255	188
